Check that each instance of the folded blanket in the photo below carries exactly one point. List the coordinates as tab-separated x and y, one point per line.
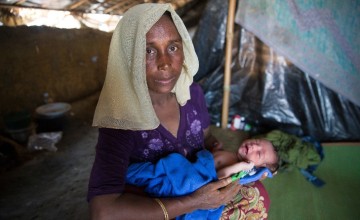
175	175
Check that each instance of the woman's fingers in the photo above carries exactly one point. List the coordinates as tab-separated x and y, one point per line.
222	183
216	193
228	189
229	192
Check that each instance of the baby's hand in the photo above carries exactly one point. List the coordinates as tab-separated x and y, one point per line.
246	165
263	176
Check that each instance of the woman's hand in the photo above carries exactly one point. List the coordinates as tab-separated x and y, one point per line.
215	194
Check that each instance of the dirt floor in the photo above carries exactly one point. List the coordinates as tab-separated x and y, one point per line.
51	185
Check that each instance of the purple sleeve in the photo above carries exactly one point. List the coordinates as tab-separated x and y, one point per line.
198	99
111	161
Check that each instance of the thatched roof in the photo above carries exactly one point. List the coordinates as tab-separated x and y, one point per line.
113	7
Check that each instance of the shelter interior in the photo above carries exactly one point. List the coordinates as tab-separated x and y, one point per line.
47	64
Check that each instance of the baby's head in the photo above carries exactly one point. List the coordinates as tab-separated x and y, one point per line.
261	152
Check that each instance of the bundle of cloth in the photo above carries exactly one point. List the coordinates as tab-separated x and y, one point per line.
174	175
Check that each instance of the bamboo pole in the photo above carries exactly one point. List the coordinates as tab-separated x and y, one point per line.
228	58
77	4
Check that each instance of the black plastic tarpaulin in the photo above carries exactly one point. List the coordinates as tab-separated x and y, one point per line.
267	90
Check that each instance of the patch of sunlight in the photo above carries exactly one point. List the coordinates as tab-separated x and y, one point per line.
61	19
57	19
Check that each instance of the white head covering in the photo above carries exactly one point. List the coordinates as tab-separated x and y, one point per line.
124	101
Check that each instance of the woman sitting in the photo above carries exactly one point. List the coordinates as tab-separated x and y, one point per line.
149	107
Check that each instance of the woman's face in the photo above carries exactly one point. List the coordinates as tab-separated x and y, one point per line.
164	56
259	151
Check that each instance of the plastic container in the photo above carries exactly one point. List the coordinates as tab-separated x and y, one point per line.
52	117
17	120
21	135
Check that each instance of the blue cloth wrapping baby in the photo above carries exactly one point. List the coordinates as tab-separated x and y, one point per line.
174	175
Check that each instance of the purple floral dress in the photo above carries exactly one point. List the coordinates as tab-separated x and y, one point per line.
116	148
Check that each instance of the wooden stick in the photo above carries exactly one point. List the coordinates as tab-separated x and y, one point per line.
228	58
77	4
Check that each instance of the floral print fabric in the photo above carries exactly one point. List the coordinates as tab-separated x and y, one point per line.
251	203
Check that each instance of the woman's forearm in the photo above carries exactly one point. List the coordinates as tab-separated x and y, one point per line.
130	206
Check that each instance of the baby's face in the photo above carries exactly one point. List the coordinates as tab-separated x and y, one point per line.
260	152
